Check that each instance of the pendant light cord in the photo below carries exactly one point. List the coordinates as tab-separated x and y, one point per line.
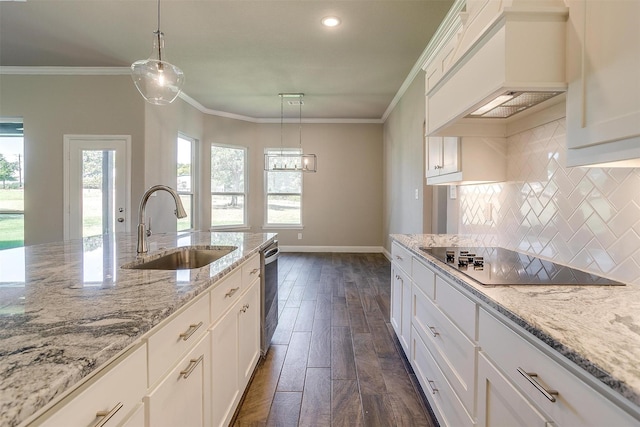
158	35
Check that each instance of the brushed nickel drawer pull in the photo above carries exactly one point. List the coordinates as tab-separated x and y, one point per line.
192	365
399	257
433	331
106	415
531	377
254	271
432	386
231	292
192	329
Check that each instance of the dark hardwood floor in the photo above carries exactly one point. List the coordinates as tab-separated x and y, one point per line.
334	359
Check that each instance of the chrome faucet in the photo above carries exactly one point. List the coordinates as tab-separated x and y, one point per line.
142	233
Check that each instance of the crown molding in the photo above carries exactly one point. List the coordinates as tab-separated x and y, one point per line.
450	23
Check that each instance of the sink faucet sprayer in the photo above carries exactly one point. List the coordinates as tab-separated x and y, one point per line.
142	234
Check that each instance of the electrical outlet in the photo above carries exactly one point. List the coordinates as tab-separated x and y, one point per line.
417	194
299	236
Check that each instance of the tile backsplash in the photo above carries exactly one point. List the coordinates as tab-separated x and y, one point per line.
588	218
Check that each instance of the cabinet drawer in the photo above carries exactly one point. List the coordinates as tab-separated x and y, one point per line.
576	402
250	271
424	278
174	338
183	396
121	386
401	257
460	309
225	294
443	400
451	349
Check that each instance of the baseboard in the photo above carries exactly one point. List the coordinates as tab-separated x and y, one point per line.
386	253
341	249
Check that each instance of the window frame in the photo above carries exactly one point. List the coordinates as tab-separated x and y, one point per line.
194	182
245	194
267	224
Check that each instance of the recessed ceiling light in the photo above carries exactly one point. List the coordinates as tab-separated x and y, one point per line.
330	21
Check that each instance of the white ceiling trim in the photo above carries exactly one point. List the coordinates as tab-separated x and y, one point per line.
442	33
120	71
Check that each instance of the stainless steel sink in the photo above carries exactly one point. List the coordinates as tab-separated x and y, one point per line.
182	258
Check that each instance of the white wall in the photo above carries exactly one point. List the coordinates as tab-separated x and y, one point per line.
342	203
404	166
53	106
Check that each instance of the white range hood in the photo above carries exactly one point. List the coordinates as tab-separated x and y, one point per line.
500	59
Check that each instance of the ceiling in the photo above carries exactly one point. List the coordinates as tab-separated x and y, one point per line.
238	55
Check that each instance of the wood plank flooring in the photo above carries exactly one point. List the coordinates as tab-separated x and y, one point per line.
334	359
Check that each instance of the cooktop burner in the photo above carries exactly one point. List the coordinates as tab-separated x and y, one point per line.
498	266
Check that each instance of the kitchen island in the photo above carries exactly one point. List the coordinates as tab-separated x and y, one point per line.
593	331
68	308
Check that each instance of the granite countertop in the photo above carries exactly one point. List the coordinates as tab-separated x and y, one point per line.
596	327
67	308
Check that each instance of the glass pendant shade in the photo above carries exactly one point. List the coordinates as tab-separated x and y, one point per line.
157	80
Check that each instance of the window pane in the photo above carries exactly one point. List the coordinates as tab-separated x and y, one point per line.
283	209
284	182
227	169
184	164
11	188
186	222
227	210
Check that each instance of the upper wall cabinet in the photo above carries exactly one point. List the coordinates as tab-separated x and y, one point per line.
603	72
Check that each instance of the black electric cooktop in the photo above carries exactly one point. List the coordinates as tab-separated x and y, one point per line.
498	266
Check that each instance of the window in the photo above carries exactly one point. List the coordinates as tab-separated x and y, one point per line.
186	185
228	186
11	184
283	194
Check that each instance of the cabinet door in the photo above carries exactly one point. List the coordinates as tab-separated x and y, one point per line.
249	333
401	306
225	389
434	155
499	403
182	398
450	155
603	100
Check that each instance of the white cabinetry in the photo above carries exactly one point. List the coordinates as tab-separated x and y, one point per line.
559	395
182	398
191	370
401	294
442	155
466	160
235	340
476	367
442	351
603	72
104	398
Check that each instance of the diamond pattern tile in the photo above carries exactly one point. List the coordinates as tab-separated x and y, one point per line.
588	218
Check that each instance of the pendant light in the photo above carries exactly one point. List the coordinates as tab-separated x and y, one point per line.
286	161
158	81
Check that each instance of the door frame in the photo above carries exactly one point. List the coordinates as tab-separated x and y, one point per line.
67	142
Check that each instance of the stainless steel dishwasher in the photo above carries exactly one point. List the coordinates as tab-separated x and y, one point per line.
269	285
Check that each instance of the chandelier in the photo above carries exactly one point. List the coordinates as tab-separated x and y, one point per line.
285	161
